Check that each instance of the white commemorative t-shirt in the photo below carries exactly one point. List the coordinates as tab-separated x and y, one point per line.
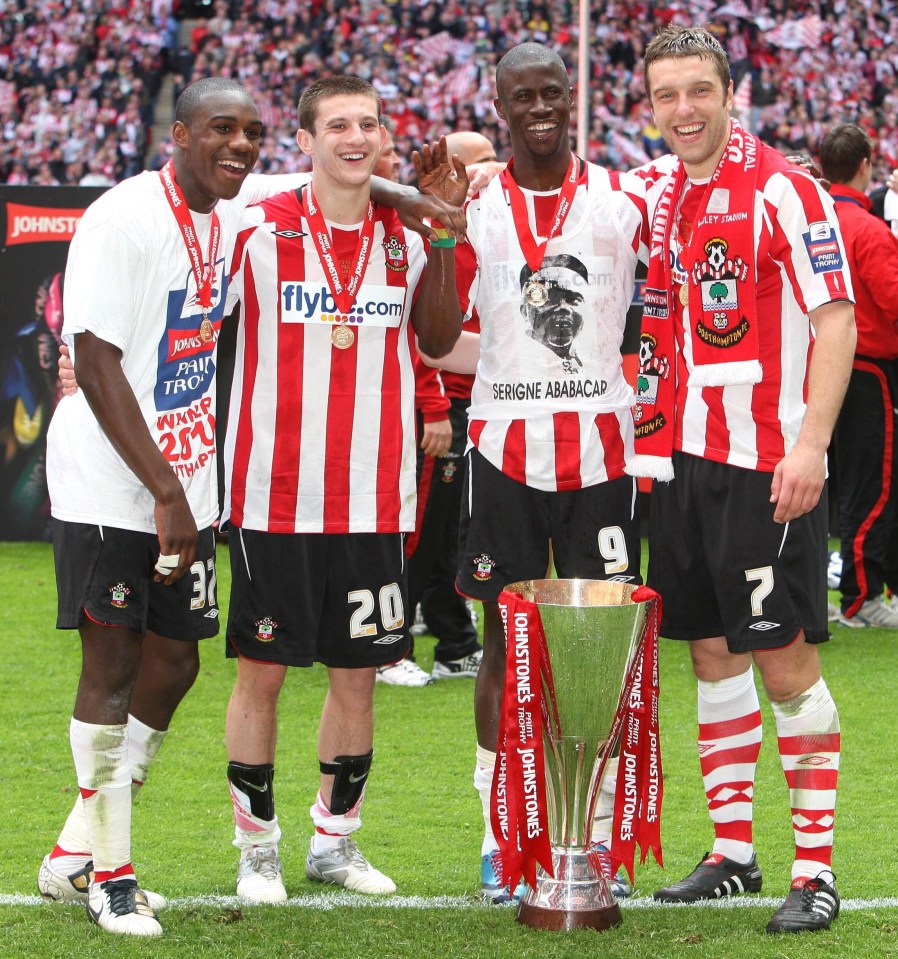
129	282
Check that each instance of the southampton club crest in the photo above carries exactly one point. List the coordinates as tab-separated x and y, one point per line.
119	593
719	277
483	567
265	629
396	254
653	367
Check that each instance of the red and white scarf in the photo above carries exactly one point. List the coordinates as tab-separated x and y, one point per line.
720	269
518	804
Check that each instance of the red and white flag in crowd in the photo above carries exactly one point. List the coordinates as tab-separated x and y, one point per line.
434	49
742	97
796	34
737	8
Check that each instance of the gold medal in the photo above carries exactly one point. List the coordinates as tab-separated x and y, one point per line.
342	336
535	292
206	329
684	294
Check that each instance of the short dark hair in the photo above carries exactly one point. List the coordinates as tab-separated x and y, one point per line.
678	42
564	261
528	54
841	151
193	95
323	87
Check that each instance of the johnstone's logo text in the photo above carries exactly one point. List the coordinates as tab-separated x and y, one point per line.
314	303
39	224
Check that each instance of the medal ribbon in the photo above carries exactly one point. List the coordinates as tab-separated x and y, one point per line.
343	288
204	275
640	788
518	804
533	251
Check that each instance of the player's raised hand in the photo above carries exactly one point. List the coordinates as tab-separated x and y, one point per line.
439	174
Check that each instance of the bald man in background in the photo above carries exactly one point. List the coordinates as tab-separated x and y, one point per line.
471	147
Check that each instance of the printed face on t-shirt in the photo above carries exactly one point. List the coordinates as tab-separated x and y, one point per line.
557	322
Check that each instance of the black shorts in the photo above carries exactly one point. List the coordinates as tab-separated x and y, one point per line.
723	567
106	574
302	598
506	528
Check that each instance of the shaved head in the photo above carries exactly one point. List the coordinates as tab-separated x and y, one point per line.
471	147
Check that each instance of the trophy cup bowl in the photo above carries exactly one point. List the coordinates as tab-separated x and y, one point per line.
592	630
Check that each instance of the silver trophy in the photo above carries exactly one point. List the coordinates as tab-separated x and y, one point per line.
593	631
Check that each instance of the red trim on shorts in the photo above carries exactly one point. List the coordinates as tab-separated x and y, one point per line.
261	662
100	622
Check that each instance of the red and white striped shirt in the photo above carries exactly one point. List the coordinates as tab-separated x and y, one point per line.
321	439
552	422
754	426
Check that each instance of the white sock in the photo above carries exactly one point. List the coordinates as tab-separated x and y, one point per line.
73	840
101	765
330	830
143	744
483	783
249	830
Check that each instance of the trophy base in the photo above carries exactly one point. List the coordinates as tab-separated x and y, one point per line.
562	920
576	897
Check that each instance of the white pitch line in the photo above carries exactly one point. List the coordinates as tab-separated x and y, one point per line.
326	901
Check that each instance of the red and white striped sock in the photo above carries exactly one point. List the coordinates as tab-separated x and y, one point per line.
809	744
729	741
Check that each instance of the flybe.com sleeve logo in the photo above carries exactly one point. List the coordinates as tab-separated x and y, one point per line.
313	303
39	224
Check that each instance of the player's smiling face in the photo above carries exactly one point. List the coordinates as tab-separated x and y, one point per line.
220	146
346	141
535	100
692	110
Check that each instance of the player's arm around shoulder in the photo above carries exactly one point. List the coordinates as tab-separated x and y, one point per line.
799	477
260	186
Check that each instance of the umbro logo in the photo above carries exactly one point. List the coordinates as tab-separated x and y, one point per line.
764	625
290	234
212	614
388	640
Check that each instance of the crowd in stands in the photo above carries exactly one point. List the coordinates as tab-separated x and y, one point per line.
80	79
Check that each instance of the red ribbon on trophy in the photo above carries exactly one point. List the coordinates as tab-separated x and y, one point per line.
518	808
640	784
